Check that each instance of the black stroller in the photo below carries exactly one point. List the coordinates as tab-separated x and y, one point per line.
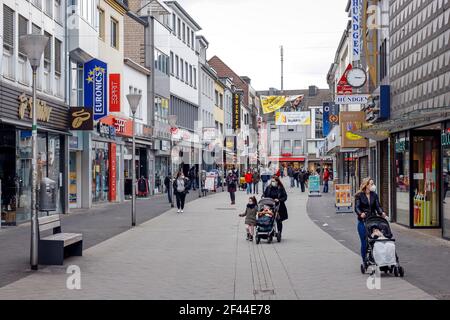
375	259
266	227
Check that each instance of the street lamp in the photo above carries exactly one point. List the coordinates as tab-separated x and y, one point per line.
133	101
173	125
33	46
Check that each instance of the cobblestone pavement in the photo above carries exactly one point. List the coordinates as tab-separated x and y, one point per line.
203	254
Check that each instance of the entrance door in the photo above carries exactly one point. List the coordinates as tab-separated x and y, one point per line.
73	181
8	176
426	183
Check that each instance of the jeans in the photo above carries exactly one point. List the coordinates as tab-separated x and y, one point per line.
255	188
249	188
362	237
292	182
325	187
298	183
169	195
302	184
181	197
232	197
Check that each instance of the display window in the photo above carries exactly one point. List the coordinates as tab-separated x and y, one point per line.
402	174
445	141
100	172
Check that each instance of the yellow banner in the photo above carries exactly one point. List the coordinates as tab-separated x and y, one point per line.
272	103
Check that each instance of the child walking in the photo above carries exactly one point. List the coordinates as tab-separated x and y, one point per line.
250	217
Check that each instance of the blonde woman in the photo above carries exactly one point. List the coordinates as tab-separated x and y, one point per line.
367	204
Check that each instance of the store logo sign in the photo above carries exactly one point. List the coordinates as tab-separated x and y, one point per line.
80	118
356	29
26	105
95	86
107	131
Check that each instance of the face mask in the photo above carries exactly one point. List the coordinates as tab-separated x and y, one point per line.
274	183
373	188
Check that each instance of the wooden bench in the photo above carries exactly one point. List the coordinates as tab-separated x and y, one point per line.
54	248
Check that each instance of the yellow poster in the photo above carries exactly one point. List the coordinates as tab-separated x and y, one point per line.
272	103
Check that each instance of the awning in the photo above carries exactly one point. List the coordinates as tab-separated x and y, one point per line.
287	159
27	125
416	119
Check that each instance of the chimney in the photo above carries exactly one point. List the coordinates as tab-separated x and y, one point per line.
247	80
313	90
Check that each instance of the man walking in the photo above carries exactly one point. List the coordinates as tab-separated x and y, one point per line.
256	178
326	178
249	181
290	172
302	177
296	175
167	181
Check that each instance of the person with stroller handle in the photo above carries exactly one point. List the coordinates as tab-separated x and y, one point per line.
277	192
367	204
250	217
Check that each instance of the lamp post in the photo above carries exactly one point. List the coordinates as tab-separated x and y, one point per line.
133	101
33	46
173	126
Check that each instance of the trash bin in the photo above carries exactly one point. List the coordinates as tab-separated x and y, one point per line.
47	195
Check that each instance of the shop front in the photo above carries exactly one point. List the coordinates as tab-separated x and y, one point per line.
16	153
445	138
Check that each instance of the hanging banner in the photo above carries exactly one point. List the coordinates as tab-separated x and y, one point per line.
302	118
114	92
352	121
326	119
112	172
356	29
272	103
236	111
95	87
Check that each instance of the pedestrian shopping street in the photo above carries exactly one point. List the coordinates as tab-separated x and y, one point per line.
202	254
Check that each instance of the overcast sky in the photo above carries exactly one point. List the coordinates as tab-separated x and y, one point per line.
247	34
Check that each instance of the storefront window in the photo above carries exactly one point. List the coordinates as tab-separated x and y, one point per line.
100	172
446	180
402	182
425	186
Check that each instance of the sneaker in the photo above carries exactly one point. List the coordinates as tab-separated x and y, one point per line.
182	211
178	211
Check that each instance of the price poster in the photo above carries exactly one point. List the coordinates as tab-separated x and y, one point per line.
343	195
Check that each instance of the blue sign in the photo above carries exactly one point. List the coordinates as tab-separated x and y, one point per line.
326	119
95	84
385	102
314	184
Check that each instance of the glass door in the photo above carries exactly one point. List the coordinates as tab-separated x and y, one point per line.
445	140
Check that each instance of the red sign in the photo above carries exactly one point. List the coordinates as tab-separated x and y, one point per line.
114	92
124	127
112	172
343	87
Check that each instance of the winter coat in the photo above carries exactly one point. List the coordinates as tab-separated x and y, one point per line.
362	205
186	187
303	176
256	177
232	182
280	194
326	175
250	215
248	178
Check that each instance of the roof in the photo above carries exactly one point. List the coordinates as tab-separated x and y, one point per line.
177	6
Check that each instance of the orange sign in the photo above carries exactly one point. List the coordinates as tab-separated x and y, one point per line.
124	127
112	172
352	121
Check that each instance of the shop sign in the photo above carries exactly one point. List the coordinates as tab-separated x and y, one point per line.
95	85
401	146
343	87
236	111
209	134
302	118
106	130
314	184
112	172
356	29
26	104
445	139
80	118
114	92
147	131
123	127
352	99
352	121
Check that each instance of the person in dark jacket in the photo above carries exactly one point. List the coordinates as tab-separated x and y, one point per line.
277	192
250	217
302	177
296	175
181	189
367	204
232	182
167	185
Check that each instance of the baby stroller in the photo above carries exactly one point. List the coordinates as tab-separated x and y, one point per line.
266	228
381	252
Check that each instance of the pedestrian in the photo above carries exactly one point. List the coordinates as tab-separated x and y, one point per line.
277	192
232	182
249	181
296	175
367	204
302	177
326	178
265	177
181	189
290	172
256	179
192	177
250	217
167	181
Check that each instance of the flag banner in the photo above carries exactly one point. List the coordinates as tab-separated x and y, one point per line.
273	103
302	118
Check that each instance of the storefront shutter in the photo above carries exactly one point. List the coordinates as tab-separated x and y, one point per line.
8	29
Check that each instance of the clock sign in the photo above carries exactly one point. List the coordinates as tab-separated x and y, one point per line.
356	77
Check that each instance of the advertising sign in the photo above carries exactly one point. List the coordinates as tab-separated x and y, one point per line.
314	183
114	92
352	99
326	119
334	114
209	134
356	29
80	118
343	87
95	87
302	118
123	127
272	103
343	198
112	172
351	121
236	111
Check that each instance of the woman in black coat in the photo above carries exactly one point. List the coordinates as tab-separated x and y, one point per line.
367	204
277	192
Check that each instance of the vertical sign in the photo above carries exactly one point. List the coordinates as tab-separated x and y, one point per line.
95	86
236	111
356	29
114	92
112	172
326	119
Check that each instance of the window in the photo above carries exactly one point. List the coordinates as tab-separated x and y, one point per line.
58	13
37	3
8	30
192	43
174	23
188	37
190	75
179	28
195	78
23	30
58	47
221	101
187	71
101	22
35	29
49	7
216	97
177	64
182	70
114	34
171	63
48	52
161	62
184	32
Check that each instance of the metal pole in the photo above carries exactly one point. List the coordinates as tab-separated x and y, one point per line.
171	174
199	173
34	213
133	192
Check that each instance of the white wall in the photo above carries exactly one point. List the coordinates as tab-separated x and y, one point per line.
138	80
